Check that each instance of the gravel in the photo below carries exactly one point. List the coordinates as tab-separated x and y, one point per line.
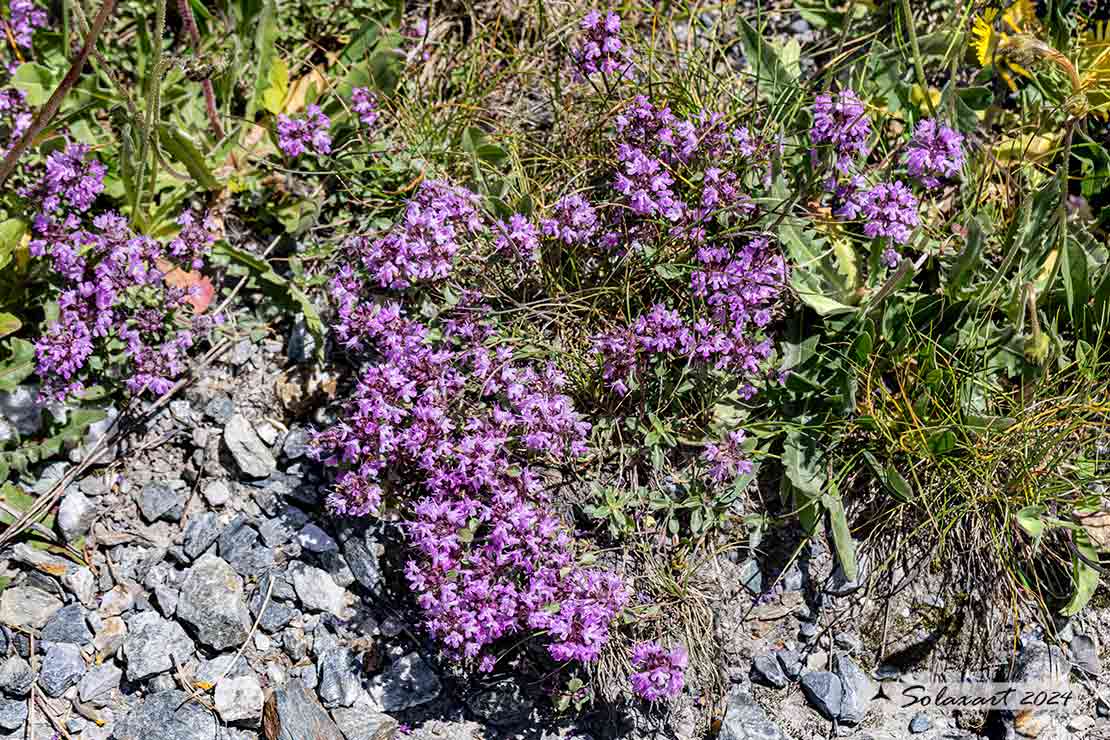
27	606
212	603
251	454
239	699
168	715
61	667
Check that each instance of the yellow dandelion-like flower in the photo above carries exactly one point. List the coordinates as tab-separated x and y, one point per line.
1093	63
992	31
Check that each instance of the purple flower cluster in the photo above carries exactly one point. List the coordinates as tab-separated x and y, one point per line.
15	115
459	427
841	122
600	48
420	248
891	211
573	220
111	283
365	105
935	151
660	673
310	133
24	17
518	240
727	459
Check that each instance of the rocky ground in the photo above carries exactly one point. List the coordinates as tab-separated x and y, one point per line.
209	596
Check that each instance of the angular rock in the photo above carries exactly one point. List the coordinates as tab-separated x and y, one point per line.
503	704
168	715
276	616
61	667
21	409
27	606
212	602
68	625
767	671
75	514
363	723
751	577
220	409
97	685
13	714
791	663
158	501
239	699
920	723
151	645
1084	654
746	720
316	540
858	690
16	677
292	713
318	591
295	445
340	682
81	583
824	692
251	454
217	493
202	530
109	635
407	683
363	558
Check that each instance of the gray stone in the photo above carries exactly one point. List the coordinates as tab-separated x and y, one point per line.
316	540
222	666
858	690
81	583
97	685
212	603
240	548
27	606
168	715
407	683
68	625
295	445
746	720
157	501
167	599
202	530
219	409
767	671
250	453
75	514
302	344
841	585
340	682
16	677
824	692
1084	654
109	635
13	714
364	560
151	645
217	492
502	705
292	713
21	409
239	699
276	616
751	577
920	723
363	723
318	591
61	667
791	663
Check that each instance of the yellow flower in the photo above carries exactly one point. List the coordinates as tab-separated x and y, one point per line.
1093	63
991	31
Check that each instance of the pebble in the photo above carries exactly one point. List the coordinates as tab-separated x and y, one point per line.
75	514
363	723
217	492
16	676
82	584
21	409
920	723
168	715
27	606
68	625
746	720
61	667
791	662
251	454
318	591
158	500
200	533
220	409
276	617
751	577
212	602
316	540
97	685
150	643
1084	654
292	713
767	671
239	699
295	445
339	677
116	602
407	683
857	690
364	560
13	714
109	635
824	692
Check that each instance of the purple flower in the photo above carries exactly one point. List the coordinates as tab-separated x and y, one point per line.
24	18
727	458
890	257
70	181
841	121
518	240
573	220
660	674
890	210
365	105
14	114
600	48
935	151
310	133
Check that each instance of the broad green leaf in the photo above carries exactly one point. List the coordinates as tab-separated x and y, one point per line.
772	76
9	324
18	365
804	478
842	536
265	51
182	149
36	81
1084	576
1030	519
11	237
274	95
964	267
892	480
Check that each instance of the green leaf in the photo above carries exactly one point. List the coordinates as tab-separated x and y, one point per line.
842	536
803	472
1077	287
19	365
9	324
182	149
892	480
1084	576
11	236
36	81
274	95
265	50
773	77
1030	520
963	268
670	271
